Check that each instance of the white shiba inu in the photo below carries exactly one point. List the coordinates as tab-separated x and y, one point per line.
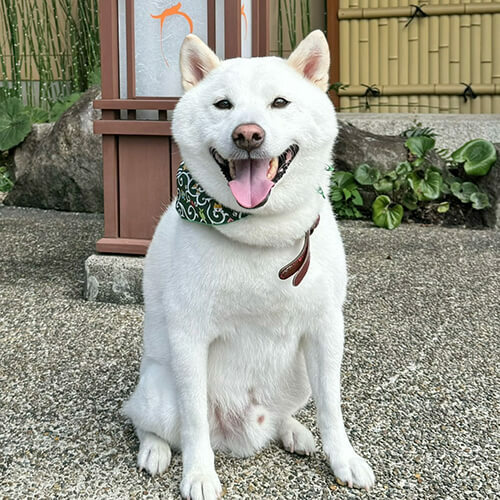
232	347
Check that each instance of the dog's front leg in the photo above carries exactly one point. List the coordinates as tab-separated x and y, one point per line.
189	365
323	353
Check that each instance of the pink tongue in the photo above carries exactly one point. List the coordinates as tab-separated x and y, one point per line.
251	186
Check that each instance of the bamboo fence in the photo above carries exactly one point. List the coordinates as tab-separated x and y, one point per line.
432	64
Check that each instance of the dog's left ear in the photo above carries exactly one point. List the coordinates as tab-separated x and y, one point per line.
196	61
312	59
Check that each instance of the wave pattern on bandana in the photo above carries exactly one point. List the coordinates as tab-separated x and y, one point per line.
194	205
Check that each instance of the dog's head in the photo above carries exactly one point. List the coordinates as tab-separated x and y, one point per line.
256	133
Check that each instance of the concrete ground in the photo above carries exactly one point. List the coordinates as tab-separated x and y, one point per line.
420	376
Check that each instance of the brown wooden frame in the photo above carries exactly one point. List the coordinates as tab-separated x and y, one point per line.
332	29
129	220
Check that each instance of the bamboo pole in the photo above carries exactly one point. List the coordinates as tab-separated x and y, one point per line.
364	52
373	45
423	61
465	39
413	61
495	77
383	25
425	89
475	76
432	10
486	59
455	57
433	59
403	59
354	50
393	58
444	59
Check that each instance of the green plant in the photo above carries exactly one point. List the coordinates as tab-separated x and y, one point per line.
15	123
416	183
60	106
5	182
288	9
52	49
344	195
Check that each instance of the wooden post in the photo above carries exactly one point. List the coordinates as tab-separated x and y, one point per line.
332	29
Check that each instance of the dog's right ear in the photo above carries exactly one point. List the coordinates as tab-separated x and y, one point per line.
196	61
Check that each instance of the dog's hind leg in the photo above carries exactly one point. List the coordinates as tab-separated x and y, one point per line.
295	437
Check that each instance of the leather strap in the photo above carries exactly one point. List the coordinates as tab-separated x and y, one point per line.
300	264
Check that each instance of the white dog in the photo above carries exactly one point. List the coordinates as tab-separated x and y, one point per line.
243	310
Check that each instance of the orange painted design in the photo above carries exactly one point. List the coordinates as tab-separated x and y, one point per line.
243	13
171	11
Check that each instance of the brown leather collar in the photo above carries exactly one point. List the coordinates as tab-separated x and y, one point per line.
300	264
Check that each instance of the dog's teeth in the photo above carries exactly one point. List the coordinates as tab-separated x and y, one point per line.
273	168
232	169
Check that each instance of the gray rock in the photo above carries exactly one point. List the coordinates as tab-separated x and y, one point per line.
59	165
490	184
355	146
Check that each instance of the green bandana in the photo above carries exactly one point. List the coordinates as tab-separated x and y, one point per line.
194	205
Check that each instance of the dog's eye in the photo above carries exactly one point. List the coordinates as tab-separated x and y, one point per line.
280	102
223	104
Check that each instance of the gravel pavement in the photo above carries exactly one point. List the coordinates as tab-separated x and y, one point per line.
420	373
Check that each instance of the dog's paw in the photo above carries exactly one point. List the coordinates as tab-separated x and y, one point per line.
296	438
353	471
154	454
201	485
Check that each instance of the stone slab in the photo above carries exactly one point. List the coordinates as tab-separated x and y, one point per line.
114	278
453	130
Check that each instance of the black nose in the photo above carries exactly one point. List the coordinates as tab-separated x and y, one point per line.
248	136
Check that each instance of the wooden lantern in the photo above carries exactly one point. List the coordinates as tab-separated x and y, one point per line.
140	44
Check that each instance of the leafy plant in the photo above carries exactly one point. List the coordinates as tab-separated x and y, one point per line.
386	213
416	183
15	123
52	49
5	182
416	130
344	195
287	9
62	105
477	156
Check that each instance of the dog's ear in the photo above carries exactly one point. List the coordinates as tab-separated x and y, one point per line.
312	59
196	61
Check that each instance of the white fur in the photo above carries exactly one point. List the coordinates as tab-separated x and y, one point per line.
231	352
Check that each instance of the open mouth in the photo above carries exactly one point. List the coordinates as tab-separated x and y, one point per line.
252	179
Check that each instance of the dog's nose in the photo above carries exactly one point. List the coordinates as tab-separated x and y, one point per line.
248	136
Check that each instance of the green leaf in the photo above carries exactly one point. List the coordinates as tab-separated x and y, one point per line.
356	198
464	190
428	187
403	169
384	185
344	180
5	183
37	115
347	193
61	106
385	213
410	200
336	194
15	124
419	146
366	175
477	155
443	207
479	200
445	188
